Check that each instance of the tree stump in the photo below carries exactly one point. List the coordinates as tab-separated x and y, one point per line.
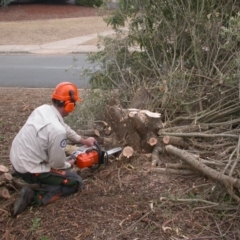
134	127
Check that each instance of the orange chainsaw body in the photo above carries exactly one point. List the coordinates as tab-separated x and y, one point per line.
87	159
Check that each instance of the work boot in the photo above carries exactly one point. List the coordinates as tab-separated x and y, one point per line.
25	200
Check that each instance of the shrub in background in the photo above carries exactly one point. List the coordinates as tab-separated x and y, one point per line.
90	3
4	3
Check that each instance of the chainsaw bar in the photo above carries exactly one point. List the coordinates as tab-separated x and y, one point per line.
113	151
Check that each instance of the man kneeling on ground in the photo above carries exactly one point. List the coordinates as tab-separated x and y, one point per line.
38	151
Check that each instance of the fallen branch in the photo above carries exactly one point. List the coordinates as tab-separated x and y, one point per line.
175	141
196	134
157	150
181	172
198	200
227	181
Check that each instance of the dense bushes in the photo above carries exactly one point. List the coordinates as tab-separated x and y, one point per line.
91	3
5	3
182	51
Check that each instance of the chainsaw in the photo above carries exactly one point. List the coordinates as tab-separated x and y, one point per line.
92	157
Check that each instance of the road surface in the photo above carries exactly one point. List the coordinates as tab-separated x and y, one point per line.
43	71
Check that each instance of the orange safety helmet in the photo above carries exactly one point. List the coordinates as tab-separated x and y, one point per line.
67	93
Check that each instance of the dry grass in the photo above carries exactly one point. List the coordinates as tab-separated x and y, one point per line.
45	31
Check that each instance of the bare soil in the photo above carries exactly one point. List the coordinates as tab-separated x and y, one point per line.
123	200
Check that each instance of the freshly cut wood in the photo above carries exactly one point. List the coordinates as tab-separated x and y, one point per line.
134	127
3	169
127	152
4	193
5	177
152	141
175	141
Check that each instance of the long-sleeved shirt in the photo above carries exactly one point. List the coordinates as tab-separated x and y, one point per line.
40	144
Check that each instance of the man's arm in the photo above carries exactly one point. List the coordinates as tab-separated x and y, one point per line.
56	152
74	137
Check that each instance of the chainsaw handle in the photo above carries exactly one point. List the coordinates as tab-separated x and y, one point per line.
100	160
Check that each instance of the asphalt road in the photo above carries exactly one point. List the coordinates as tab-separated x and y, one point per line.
42	71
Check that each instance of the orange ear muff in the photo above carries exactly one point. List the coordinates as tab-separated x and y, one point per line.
69	106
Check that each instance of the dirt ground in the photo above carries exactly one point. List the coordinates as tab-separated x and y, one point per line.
123	200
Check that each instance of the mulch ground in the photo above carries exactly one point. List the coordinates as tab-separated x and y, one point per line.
123	200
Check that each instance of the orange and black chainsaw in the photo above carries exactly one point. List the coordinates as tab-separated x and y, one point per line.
92	157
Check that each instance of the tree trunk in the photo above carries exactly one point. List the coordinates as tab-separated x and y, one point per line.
134	127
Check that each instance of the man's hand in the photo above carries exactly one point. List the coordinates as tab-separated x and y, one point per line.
88	141
71	162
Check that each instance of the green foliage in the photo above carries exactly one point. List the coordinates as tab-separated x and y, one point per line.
45	238
36	222
181	42
89	110
4	3
91	3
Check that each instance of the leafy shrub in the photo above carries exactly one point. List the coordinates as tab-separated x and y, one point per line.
4	3
91	3
190	45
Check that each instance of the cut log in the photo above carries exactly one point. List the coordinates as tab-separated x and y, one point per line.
152	141
5	177
3	169
4	193
175	141
127	152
